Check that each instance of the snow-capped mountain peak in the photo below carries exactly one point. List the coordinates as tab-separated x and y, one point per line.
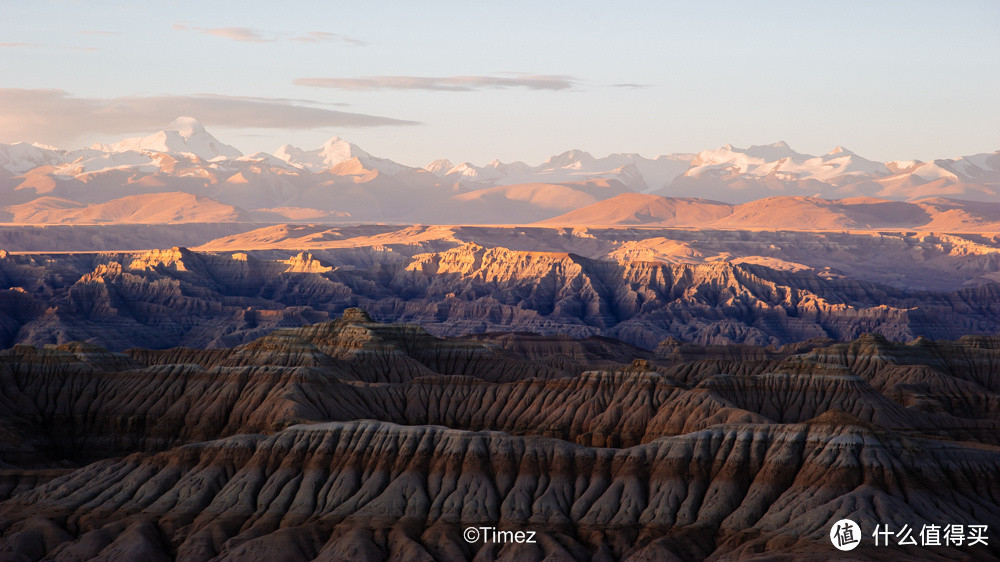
781	163
439	167
568	158
774	151
186	127
184	136
184	149
337	150
507	168
329	154
23	156
977	165
471	172
332	153
899	166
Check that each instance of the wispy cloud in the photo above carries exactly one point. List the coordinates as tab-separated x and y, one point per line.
630	85
237	34
244	34
19	45
292	101
250	35
443	83
56	117
325	37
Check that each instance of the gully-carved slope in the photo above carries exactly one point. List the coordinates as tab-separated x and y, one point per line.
175	297
354	439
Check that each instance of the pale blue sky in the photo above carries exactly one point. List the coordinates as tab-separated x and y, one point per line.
889	80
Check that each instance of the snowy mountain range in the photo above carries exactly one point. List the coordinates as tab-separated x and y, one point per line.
183	167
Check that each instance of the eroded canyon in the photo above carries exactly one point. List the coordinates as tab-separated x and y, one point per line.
368	392
369	441
640	286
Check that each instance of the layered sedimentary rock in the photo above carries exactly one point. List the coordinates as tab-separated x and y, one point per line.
904	259
375	491
166	298
89	401
354	439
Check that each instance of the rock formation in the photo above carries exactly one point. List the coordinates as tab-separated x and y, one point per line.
182	297
369	441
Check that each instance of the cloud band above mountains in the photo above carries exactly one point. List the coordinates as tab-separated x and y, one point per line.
56	117
249	35
443	83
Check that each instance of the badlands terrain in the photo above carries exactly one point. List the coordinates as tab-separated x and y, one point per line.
638	285
623	392
324	354
356	440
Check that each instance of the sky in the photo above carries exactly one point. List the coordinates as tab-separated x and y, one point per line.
473	81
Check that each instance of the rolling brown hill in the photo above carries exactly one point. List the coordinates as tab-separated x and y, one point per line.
637	209
147	208
787	212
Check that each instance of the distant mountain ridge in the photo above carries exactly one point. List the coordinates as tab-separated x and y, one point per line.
184	136
786	213
343	181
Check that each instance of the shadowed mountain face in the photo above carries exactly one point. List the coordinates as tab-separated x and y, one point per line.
626	393
166	298
358	440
